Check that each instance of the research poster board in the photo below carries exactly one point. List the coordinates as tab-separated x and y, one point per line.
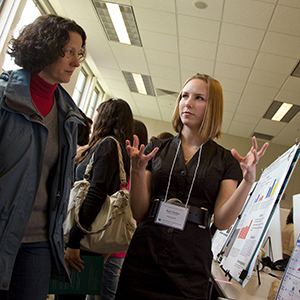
240	257
289	288
222	238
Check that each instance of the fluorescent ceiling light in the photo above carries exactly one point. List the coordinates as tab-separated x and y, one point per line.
286	116
107	11
118	22
282	111
139	83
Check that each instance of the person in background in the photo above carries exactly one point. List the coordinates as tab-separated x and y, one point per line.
141	131
113	265
198	178
162	136
37	148
287	236
115	119
84	132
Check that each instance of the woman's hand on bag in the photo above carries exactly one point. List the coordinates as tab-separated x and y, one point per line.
138	159
72	259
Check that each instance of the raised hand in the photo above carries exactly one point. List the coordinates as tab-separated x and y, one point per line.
138	159
249	162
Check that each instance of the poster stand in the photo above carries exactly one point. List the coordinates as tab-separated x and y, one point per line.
239	255
270	247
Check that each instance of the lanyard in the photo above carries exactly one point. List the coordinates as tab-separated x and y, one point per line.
194	177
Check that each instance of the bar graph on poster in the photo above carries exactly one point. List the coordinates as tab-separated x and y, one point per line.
240	255
289	288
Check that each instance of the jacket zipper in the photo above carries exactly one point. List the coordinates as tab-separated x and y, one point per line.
58	194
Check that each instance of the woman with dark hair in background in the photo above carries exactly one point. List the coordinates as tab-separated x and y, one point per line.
37	148
114	119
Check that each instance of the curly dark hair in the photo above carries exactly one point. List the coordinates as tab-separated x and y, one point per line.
42	42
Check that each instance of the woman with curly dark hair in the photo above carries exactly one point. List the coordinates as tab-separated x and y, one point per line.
37	148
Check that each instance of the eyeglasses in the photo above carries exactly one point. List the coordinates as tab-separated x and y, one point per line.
71	53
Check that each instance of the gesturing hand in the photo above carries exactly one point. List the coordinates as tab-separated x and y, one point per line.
249	162
138	159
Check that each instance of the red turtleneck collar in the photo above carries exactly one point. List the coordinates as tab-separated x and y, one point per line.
41	93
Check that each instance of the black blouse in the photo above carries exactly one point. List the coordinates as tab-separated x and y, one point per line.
216	164
164	263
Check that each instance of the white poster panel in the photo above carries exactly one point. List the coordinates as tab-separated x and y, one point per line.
296	214
289	288
241	256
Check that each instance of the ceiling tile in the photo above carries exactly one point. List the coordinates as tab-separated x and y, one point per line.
292	84
227	119
288	96
236	56
231	71
167	101
231	96
166	113
166	84
257	17
270	79
291	3
230	106
207	30
269	127
281	44
196	48
260	91
241	129
162	58
156	21
111	73
159	41
231	85
164	72
166	5
240	36
275	63
212	12
117	84
196	65
131	60
253	120
286	20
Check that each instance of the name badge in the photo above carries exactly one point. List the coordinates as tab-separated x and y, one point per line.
171	215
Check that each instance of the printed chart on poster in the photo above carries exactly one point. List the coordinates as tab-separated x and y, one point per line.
240	256
289	288
221	238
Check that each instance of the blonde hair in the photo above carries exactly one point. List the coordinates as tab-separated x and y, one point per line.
213	116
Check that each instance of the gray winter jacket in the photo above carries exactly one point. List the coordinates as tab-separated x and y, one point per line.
22	146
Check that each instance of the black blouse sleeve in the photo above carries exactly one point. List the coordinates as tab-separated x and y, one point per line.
105	181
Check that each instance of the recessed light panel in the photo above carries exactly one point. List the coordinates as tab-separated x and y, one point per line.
128	20
136	86
287	117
